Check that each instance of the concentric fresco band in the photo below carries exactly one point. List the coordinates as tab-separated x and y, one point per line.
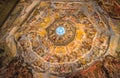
62	37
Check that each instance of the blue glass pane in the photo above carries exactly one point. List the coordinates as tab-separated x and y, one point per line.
60	30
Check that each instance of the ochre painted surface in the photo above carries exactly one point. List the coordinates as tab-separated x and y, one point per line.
89	48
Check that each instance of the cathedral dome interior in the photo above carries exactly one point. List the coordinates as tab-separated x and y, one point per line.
60	39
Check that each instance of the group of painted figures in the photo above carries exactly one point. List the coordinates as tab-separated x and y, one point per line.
86	38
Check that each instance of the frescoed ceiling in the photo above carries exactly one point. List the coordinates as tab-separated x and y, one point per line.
6	6
61	39
112	7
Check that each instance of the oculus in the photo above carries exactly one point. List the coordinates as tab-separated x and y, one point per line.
61	32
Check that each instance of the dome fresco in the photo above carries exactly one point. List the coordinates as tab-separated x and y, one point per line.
83	42
61	37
